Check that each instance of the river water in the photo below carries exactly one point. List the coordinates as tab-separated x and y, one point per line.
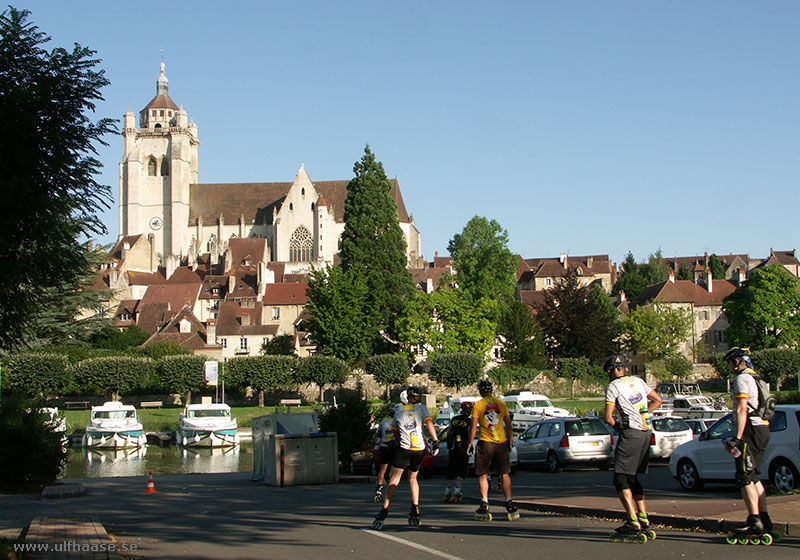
172	459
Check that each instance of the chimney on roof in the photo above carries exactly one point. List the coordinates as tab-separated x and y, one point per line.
171	264
671	276
429	285
741	276
435	255
231	283
262	279
241	226
211	332
589	261
563	259
620	296
709	281
151	239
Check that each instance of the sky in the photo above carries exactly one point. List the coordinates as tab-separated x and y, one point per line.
581	127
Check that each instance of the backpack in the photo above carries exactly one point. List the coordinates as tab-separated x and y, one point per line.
766	401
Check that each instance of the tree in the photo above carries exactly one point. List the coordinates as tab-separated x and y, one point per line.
415	324
322	370
684	271
338	324
657	331
115	339
182	374
504	376
281	345
373	247
114	375
776	365
388	369
574	369
38	375
51	200
716	267
465	325
457	369
262	373
485	268
521	339
573	322
351	421
655	270
762	312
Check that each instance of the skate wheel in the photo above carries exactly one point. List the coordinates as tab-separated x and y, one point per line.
377	525
513	516
641	538
651	535
755	540
743	540
614	538
766	539
731	539
414	521
377	499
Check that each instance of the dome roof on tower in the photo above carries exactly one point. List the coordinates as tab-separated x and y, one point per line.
162	99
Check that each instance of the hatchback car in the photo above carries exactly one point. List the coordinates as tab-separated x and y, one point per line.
668	433
440	460
557	442
705	459
700	425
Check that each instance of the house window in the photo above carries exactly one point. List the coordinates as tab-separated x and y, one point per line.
153	113
704	315
151	167
276	312
264	341
548	282
720	336
161	113
301	245
243	343
223	342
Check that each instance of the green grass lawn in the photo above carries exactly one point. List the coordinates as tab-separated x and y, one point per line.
166	419
581	407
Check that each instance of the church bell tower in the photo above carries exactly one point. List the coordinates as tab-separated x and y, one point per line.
159	164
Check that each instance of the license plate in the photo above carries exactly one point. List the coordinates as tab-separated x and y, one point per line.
592	443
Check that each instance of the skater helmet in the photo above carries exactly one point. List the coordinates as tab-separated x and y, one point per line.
404	397
414	393
485	387
466	407
613	363
741	354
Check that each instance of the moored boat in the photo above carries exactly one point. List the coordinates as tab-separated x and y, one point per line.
113	426
207	425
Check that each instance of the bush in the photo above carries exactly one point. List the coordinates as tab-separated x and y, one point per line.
110	338
578	369
262	373
38	375
787	397
776	365
457	370
182	374
159	349
114	375
31	453
350	419
505	376
322	370
388	369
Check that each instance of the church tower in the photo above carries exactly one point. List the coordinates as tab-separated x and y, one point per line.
159	164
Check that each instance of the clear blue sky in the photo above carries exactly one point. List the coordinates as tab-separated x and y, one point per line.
581	127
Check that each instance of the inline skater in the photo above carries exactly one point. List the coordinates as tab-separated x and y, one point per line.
749	443
387	446
408	422
633	401
494	448
457	445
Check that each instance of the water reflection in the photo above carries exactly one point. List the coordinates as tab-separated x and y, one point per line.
94	463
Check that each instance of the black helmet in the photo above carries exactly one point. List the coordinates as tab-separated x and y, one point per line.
414	393
485	386
613	362
739	353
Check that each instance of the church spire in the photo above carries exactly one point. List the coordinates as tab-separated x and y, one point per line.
162	84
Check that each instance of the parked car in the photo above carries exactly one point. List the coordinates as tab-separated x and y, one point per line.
440	460
557	442
700	425
668	433
365	459
705	459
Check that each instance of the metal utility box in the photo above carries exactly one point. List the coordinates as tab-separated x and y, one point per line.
290	460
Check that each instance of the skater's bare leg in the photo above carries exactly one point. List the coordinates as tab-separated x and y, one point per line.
505	480
394	479
626	497
754	498
382	473
483	485
414	485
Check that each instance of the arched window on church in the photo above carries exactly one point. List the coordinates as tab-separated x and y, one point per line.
158	125
165	167
301	245
151	167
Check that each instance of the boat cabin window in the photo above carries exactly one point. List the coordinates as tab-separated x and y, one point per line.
114	414
208	413
513	406
680	403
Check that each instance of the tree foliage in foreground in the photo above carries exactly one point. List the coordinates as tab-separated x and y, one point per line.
38	375
48	166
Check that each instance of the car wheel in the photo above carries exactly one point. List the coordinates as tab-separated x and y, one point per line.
553	464
688	477
784	476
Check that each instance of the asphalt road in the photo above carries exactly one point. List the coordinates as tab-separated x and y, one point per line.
229	517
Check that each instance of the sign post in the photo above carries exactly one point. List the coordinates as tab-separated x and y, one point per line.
211	367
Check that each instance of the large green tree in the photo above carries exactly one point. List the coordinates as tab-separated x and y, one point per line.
631	281
521	340
48	166
574	323
373	247
763	311
485	267
464	324
657	331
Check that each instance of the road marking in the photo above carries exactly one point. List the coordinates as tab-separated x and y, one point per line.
412	544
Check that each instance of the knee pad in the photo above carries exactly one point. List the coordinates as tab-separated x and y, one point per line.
636	486
621	481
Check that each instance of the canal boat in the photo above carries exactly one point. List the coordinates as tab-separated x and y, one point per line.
113	426
207	425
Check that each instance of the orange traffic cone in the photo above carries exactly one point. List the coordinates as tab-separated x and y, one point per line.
151	486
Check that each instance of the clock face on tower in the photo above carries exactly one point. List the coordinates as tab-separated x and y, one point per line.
155	222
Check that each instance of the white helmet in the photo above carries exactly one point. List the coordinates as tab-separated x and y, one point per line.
404	397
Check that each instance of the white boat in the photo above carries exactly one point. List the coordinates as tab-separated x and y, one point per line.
207	425
452	408
687	401
528	408
113	426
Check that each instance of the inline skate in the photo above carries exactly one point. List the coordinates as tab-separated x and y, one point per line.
482	513
630	532
752	532
513	511
378	494
413	517
377	524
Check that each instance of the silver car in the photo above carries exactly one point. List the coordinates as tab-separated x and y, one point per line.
557	442
441	459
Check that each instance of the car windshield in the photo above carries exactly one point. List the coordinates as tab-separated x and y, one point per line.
585	426
670	425
723	428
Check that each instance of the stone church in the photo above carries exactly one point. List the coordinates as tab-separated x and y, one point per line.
182	219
